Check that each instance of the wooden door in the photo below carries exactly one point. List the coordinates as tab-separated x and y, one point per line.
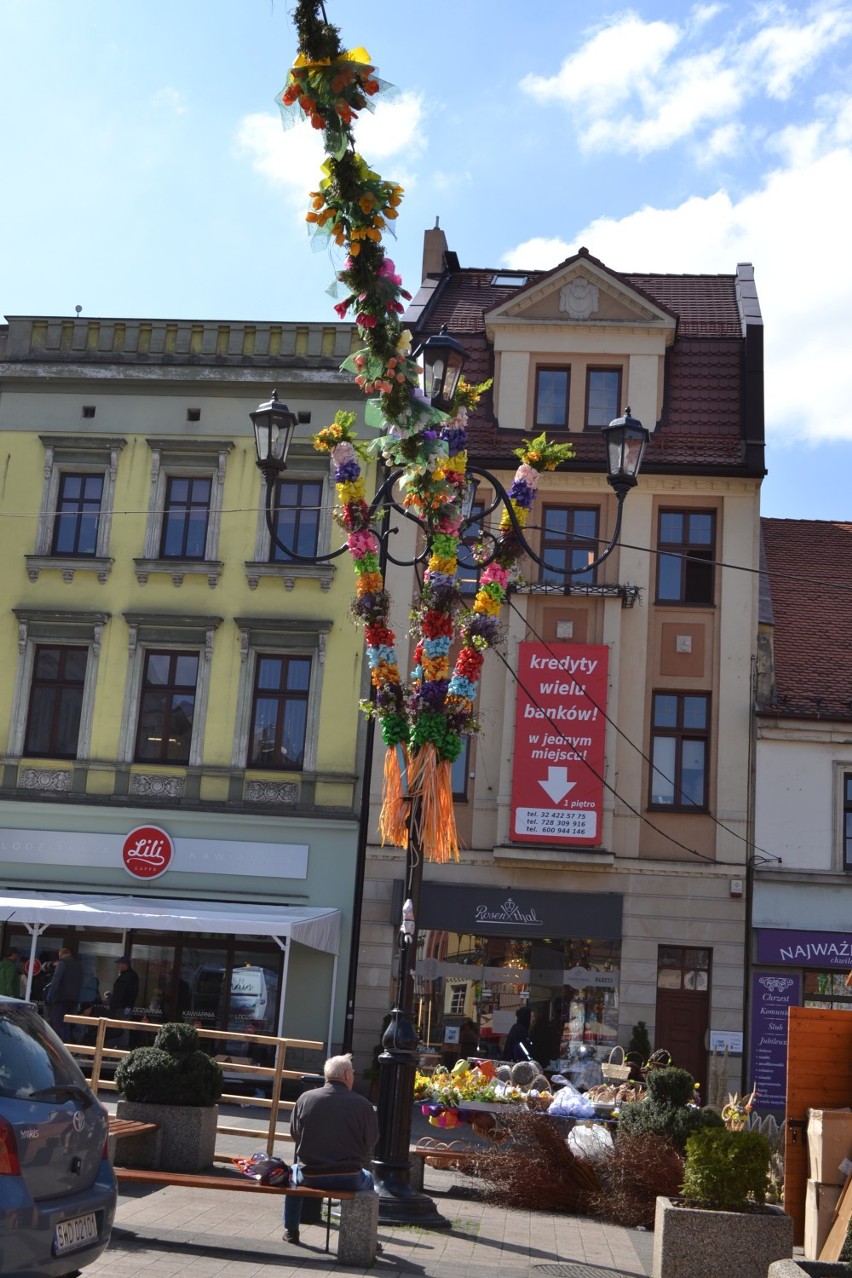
681	1027
819	1076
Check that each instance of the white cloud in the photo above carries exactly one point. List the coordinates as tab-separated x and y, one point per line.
725	140
794	229
704	13
841	114
291	159
172	99
441	180
798	144
782	53
396	126
676	113
643	86
606	69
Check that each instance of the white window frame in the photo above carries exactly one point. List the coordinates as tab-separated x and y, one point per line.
172	634
289	637
192	459
300	469
62	629
65	455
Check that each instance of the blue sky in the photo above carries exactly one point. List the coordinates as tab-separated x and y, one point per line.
145	171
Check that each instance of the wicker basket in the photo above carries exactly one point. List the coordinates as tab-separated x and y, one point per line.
616	1071
443	1155
660	1059
540	1104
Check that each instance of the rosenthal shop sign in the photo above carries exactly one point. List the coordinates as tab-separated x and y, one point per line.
560	731
494	911
147	852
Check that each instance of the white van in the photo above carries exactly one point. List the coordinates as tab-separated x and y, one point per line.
253	992
253	996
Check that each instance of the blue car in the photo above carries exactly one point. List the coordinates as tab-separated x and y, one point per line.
57	1187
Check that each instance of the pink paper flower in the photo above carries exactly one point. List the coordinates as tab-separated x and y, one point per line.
361	544
528	474
343	452
496	574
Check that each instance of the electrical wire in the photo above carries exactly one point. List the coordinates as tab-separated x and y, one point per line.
597	775
574	538
753	848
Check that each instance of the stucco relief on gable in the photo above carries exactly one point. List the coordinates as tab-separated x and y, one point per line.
579	298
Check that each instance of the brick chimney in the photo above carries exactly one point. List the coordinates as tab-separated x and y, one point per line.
434	248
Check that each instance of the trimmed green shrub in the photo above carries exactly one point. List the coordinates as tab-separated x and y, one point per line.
177	1039
639	1047
173	1072
671	1086
664	1111
725	1170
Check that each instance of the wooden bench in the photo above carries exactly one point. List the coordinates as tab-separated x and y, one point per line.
357	1240
455	1155
128	1127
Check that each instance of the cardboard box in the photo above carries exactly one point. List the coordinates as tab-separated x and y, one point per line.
820	1204
829	1142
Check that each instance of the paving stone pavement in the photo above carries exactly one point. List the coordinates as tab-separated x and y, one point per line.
174	1232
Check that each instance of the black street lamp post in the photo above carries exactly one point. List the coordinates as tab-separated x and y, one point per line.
626	440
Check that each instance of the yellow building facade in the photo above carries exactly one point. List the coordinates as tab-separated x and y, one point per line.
177	689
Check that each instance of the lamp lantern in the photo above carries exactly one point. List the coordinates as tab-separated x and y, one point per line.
626	440
443	361
468	501
274	426
406	931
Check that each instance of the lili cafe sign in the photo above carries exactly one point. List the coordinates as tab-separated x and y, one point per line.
560	732
147	852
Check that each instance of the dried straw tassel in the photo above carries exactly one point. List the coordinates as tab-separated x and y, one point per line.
393	818
431	779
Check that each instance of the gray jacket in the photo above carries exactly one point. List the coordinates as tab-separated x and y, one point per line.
335	1130
65	984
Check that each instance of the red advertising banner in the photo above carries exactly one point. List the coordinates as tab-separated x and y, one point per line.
560	733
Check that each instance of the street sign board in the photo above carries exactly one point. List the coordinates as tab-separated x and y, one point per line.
560	734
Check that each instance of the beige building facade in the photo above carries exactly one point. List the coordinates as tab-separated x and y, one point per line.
635	912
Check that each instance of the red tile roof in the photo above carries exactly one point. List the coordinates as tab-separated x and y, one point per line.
704	304
702	423
810	580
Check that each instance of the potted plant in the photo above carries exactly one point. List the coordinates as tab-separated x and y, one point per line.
722	1224
176	1085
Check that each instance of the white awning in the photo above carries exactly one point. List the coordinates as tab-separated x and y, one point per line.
314	926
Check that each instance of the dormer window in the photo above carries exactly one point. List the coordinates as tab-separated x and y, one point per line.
552	387
603	396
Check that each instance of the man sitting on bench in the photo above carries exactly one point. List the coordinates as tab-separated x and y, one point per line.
335	1130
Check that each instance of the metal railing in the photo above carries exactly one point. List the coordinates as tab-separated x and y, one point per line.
99	1052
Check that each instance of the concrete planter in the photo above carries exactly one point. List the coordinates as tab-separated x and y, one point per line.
692	1243
187	1136
809	1269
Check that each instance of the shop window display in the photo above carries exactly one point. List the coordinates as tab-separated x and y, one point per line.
213	986
827	990
570	986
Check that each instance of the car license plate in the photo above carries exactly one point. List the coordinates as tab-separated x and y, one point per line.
71	1234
